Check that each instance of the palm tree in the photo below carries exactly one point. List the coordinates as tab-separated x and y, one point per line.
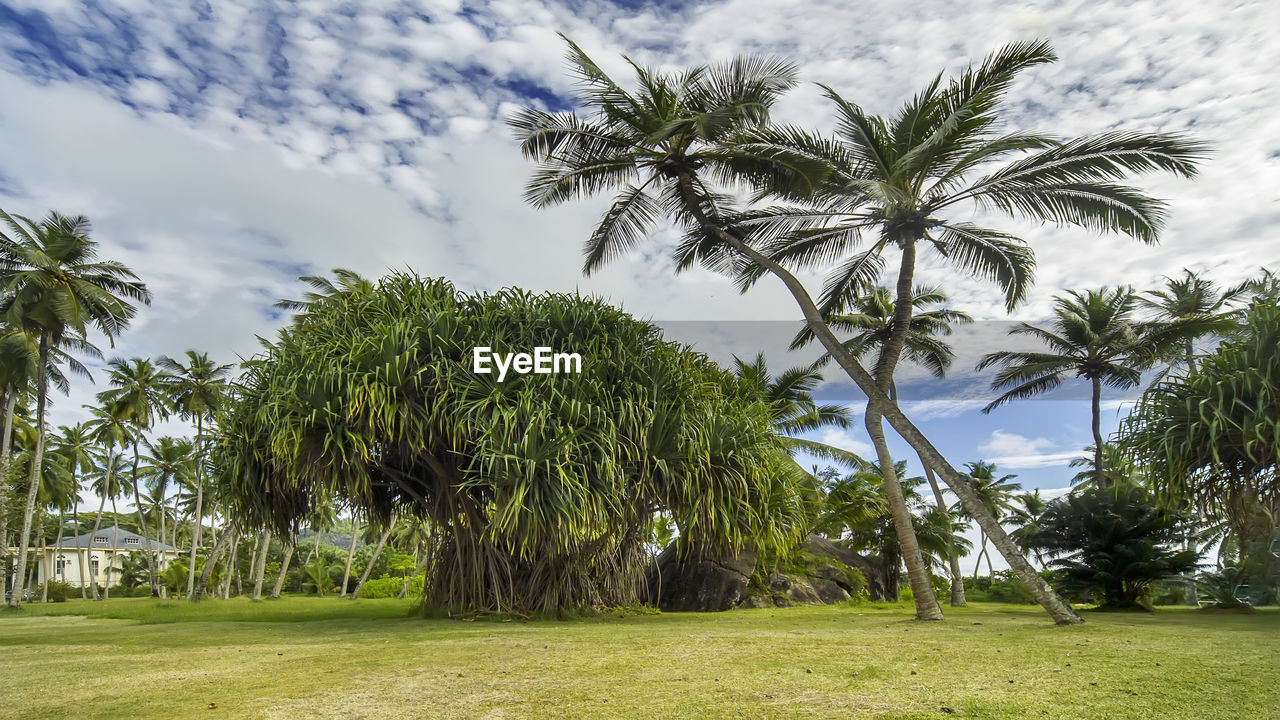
74	445
138	396
870	320
55	289
1025	514
793	408
1193	298
681	128
344	282
996	495
1093	335
169	462
198	389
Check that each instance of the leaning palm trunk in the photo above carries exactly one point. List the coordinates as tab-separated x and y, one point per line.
207	572
11	401
284	569
37	461
149	554
953	556
1048	599
262	567
382	542
351	553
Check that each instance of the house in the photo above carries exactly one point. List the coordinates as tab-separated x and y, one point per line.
103	551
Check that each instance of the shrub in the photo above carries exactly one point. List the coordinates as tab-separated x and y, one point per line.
389	587
1007	588
59	591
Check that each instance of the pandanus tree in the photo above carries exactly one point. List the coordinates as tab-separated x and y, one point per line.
868	322
539	491
54	287
197	389
138	396
1212	438
663	146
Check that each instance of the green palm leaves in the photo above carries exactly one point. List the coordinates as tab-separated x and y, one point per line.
540	491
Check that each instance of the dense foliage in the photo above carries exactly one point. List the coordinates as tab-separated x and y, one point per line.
1112	543
540	491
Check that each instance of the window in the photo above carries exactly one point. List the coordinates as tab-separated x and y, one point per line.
95	567
132	541
62	564
100	539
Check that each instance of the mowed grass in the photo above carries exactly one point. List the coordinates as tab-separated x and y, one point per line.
328	658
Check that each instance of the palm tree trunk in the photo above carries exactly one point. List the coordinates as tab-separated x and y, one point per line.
37	460
207	572
148	553
420	564
97	526
111	555
1099	475
75	519
195	533
262	567
982	548
10	403
50	563
284	568
382	542
953	557
232	567
1060	612
351	553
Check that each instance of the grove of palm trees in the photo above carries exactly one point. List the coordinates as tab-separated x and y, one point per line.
355	518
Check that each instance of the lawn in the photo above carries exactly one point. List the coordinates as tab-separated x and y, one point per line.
327	658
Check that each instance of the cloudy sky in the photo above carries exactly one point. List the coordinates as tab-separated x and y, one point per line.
221	149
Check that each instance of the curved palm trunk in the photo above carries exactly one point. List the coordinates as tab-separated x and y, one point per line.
1099	476
284	569
351	553
953	557
207	572
11	402
149	554
262	567
195	533
37	462
1048	599
382	542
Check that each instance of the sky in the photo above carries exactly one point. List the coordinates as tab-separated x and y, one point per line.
221	149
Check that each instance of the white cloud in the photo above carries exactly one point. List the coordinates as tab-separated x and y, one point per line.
845	440
1014	452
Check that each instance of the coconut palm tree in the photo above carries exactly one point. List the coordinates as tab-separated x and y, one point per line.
139	396
55	289
794	410
659	146
869	320
198	389
1095	335
74	446
996	495
1192	298
1025	514
169	462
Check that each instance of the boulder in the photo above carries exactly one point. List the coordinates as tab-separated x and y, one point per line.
705	585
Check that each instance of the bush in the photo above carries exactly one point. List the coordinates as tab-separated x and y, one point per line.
389	587
58	591
1007	588
139	591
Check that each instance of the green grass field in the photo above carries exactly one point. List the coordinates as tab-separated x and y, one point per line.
326	658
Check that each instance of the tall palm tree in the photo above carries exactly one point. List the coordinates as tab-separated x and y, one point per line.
1025	514
1191	297
198	389
139	396
996	495
111	434
869	320
679	129
55	289
1095	335
169	462
74	444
